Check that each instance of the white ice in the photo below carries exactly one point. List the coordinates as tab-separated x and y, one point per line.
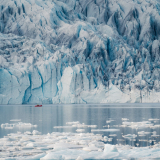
69	146
19	125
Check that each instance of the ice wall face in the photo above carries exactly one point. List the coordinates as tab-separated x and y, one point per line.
85	51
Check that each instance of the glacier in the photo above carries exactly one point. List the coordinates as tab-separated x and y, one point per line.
79	51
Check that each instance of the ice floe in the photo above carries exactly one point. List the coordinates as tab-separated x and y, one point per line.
76	124
58	145
105	130
19	124
80	145
15	120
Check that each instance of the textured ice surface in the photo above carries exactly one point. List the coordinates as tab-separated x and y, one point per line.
86	51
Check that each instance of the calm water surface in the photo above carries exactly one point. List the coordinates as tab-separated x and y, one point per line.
49	116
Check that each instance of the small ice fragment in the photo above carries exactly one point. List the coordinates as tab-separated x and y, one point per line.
62	127
112	135
151	119
72	123
79	158
120	140
30	145
108	121
105	138
8	127
130	136
91	147
28	133
123	126
92	126
105	130
80	130
142	133
15	120
110	148
110	139
155	135
154	132
125	119
35	132
143	140
3	125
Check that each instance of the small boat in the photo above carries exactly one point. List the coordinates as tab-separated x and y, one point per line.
38	105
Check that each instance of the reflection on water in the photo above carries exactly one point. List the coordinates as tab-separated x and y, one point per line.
120	124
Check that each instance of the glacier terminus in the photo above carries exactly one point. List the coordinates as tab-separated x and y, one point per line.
79	51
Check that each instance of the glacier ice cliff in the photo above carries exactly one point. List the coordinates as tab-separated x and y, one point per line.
79	51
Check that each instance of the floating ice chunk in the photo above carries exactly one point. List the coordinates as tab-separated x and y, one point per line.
155	126
112	135
15	120
154	132
72	123
91	147
19	124
136	125
105	139
92	126
35	132
110	148
125	119
147	132
62	127
153	119
80	130
110	139
105	130
76	125
109	121
120	140
31	145
38	156
79	158
129	136
28	133
8	127
142	133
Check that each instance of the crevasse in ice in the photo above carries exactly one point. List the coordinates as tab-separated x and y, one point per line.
79	51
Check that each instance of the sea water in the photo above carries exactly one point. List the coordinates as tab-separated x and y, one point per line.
126	124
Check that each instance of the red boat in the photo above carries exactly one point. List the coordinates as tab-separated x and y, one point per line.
38	105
